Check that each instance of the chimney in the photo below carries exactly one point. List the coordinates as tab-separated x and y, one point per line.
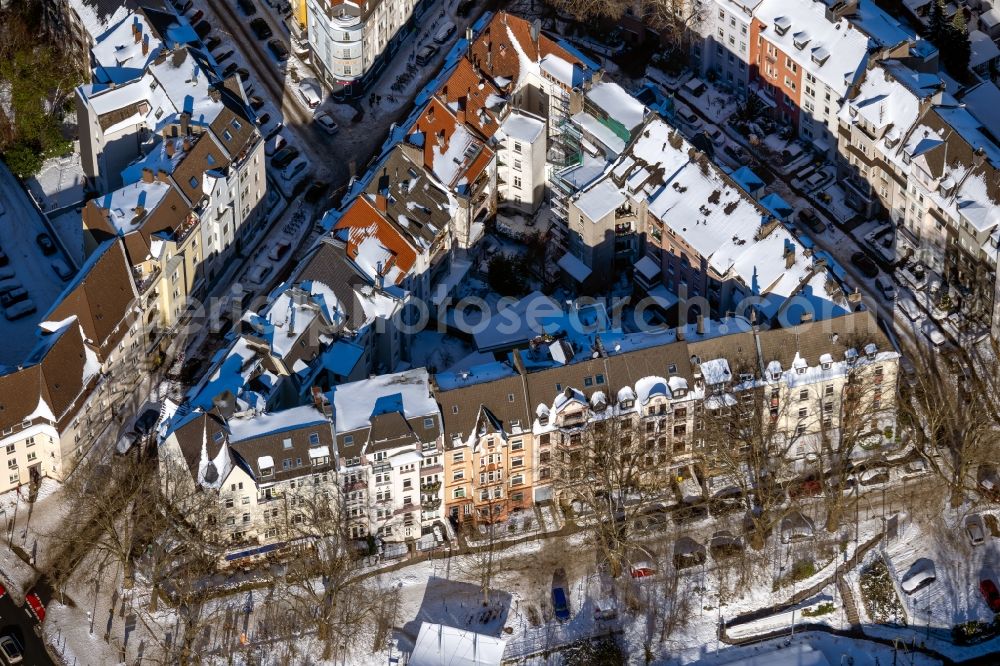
185	119
701	324
855	297
186	144
169	147
789	255
147	175
680	333
519	362
145	45
136	30
163	176
139	211
381	204
536	27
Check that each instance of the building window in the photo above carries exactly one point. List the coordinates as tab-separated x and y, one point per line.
313	438
458	493
428	423
517	182
348	440
517	146
516	445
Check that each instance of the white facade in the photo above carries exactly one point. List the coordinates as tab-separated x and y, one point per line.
521	161
347	40
724	47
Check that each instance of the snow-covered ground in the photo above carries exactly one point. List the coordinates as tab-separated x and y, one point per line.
19	226
60	183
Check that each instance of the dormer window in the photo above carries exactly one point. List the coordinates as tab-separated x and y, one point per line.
820	55
627	404
801	370
746	377
782	24
800	39
826	366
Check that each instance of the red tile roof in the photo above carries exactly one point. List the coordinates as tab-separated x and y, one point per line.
362	220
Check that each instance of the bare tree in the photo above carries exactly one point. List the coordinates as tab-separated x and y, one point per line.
484	562
953	418
323	586
615	475
746	444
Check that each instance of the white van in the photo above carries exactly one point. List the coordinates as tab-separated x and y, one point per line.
886	286
446	31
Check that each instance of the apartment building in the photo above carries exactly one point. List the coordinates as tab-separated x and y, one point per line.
351	43
541	75
911	150
388	451
723	43
253	481
811	379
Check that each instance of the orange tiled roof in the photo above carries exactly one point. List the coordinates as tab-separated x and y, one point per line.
496	55
468	91
361	221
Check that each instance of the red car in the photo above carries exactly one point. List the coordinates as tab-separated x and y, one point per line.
35	606
3	591
990	593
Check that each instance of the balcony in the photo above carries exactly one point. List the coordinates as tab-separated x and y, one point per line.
142	284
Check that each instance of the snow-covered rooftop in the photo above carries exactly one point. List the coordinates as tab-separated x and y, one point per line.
600	200
406	392
242	428
440	644
617	103
521	127
844	47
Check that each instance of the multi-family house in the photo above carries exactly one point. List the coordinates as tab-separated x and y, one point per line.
388	451
540	75
461	159
664	397
254	481
351	43
723	46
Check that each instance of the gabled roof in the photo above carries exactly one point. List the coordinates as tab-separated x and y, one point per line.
51	381
473	97
415	202
452	152
101	297
378	247
506	46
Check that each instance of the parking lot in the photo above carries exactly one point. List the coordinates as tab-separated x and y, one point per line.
20	225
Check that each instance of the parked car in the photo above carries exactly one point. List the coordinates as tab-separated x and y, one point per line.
293	170
807	488
197	16
873	476
11	650
7	274
444	32
327	123
909	308
279	50
642	570
258	274
184	6
316	191
17	295
809	218
202	29
4	259
273	146
244	74
263	119
9	284
3	591
920	575
278	250
310	92
60	268
224	56
274	131
974	528
18	310
864	264
915	467
144	424
213	43
45	242
990	594
933	334
465	8
560	602
886	286
284	157
261	29
35	606
425	54
247	6
256	103
688	117
230	70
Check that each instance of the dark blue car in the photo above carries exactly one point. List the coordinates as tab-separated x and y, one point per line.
560	604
